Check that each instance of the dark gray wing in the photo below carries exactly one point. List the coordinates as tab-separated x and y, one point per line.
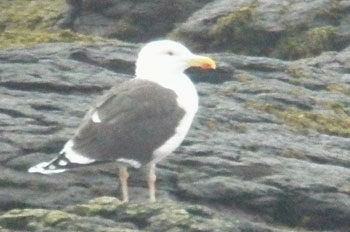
136	118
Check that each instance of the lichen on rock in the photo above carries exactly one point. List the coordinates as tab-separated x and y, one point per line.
283	29
309	43
160	216
302	120
26	23
32	219
232	30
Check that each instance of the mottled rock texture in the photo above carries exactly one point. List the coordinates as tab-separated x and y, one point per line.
269	149
285	29
130	20
109	214
271	138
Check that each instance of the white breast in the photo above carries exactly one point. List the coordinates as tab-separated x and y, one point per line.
187	99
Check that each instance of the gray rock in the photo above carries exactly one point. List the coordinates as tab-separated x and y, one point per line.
109	214
285	29
130	20
268	151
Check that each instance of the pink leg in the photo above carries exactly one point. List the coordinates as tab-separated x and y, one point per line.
123	176
151	183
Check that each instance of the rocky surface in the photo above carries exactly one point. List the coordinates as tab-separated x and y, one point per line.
268	150
270	142
109	214
285	29
131	20
24	23
289	29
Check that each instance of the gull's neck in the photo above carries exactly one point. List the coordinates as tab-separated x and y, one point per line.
166	79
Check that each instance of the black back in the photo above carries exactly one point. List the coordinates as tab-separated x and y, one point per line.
137	117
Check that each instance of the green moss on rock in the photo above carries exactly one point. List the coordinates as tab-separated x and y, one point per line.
55	216
158	216
232	30
26	23
307	43
106	206
302	120
320	39
337	108
33	218
294	154
233	24
19	219
127	28
298	72
113	215
339	88
21	38
244	77
333	11
30	14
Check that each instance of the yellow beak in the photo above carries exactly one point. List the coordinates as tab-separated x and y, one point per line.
202	62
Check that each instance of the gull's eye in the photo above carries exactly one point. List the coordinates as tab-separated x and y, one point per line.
170	53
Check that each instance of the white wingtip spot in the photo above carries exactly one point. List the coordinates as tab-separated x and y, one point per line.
95	118
40	168
62	163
